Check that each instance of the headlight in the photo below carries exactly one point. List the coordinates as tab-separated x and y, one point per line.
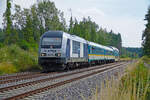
58	54
43	54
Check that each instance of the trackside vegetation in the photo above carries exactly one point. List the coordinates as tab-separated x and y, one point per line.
14	59
134	85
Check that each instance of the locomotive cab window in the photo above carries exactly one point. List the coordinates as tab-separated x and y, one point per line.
51	42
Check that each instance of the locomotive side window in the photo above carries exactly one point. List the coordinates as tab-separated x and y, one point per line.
75	47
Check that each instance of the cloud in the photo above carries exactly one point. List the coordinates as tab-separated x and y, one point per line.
91	11
130	27
24	3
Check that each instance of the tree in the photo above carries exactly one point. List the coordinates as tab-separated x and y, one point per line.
7	22
71	25
2	36
28	30
35	24
62	25
119	43
146	35
48	15
26	26
89	30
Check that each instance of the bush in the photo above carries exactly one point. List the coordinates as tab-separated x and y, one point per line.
146	59
1	45
24	45
17	59
8	68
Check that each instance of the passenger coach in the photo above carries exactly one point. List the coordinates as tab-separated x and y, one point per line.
100	54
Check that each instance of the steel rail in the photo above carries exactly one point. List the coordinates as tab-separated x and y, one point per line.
102	69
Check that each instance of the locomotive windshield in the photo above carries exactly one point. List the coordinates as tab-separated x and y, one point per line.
53	42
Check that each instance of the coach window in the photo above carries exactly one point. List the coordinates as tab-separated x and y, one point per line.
91	51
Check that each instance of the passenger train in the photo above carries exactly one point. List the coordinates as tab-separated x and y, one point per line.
60	50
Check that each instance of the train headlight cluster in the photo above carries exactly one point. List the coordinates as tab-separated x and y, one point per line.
58	54
43	54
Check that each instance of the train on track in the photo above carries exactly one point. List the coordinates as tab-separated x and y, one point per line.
59	50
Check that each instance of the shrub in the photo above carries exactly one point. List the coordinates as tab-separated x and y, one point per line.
24	45
7	68
1	45
19	59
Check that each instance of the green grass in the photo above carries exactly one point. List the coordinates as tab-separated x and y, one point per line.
146	59
14	59
135	85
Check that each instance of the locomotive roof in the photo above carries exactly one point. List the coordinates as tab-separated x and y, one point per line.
100	46
60	33
75	38
52	33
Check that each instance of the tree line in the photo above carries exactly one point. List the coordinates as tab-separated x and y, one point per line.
146	35
25	26
131	52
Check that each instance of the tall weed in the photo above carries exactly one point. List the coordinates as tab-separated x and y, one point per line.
135	85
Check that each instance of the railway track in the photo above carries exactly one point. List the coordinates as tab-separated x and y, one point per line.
20	91
50	78
17	75
24	76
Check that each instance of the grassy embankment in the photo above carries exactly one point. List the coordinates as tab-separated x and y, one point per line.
14	59
126	58
135	85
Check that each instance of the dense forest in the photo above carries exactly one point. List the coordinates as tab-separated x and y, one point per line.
25	26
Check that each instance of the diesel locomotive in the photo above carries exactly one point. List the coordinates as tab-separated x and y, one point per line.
59	50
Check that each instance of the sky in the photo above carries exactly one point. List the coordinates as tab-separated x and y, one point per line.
122	16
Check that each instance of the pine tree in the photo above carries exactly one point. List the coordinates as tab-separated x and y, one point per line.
35	24
119	43
28	30
49	15
7	22
146	35
71	25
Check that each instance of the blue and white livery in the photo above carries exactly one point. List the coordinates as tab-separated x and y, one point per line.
60	50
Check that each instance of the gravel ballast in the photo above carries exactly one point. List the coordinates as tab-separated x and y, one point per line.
78	90
37	78
18	91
